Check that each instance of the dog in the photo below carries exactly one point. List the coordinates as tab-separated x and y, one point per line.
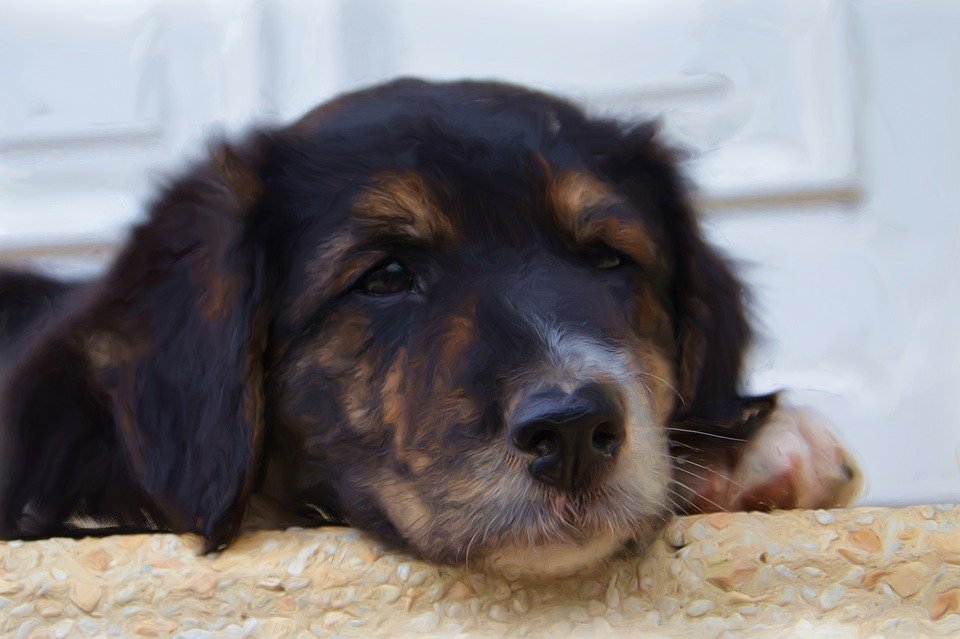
464	317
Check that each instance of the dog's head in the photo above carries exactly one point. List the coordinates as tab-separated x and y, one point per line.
461	316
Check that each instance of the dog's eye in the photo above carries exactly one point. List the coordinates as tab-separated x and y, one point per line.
603	258
607	261
389	278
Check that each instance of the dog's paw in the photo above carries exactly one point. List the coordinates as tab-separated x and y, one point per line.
794	461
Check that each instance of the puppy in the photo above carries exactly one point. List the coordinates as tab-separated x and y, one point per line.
464	317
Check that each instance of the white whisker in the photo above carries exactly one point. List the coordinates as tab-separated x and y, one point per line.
716	472
701	496
705	434
665	383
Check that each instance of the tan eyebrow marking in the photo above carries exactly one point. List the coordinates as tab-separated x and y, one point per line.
574	193
578	200
401	203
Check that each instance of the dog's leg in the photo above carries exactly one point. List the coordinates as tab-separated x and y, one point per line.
793	461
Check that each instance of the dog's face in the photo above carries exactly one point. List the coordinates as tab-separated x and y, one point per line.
480	350
465	317
481	358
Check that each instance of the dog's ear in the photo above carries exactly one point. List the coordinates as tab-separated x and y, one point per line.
144	405
713	335
709	302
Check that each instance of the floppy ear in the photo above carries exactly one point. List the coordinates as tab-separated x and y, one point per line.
713	333
710	326
143	407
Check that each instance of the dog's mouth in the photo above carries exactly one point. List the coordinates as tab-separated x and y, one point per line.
572	533
549	534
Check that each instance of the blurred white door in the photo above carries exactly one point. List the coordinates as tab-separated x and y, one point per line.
100	98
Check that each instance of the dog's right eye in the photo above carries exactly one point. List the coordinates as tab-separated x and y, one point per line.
388	278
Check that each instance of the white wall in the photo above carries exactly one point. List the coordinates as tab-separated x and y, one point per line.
828	133
862	303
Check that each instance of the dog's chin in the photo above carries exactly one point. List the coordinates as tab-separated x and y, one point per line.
546	557
556	559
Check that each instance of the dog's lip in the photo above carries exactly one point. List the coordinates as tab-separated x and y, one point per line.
579	503
583	515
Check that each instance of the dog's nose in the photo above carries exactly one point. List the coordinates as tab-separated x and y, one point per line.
572	437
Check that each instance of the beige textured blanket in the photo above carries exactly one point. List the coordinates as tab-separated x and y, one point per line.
858	572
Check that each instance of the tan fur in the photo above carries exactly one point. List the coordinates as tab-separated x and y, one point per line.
339	356
577	198
237	176
106	350
401	203
460	332
406	509
392	399
573	193
323	280
220	290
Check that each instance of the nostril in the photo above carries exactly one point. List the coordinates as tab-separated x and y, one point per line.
546	444
606	438
541	442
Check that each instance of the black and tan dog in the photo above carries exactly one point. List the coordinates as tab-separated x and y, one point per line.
463	317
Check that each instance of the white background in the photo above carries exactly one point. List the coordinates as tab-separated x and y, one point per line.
827	133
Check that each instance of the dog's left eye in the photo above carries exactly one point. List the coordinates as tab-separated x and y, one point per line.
603	258
389	278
